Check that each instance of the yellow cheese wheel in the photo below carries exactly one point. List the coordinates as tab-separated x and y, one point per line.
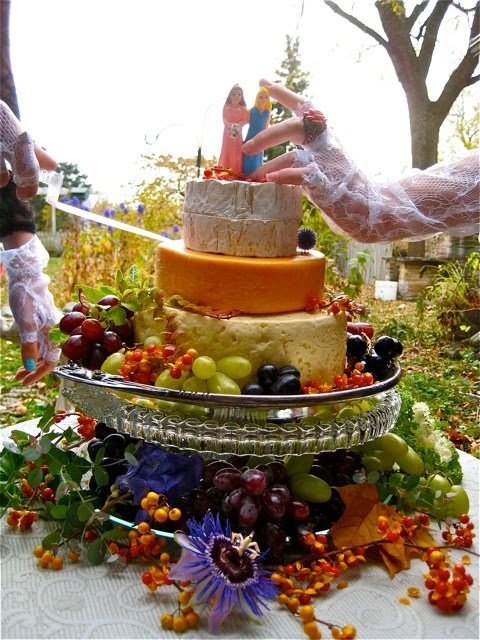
315	343
248	285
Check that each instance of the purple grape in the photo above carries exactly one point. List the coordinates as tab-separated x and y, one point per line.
254	482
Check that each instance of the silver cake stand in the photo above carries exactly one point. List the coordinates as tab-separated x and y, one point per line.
222	425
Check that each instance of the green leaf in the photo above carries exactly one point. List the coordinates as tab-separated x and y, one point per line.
101	476
117	315
57	511
35	477
75	472
96	551
51	540
84	511
45	444
10	463
49	411
118	533
32	453
56	455
131	459
99	456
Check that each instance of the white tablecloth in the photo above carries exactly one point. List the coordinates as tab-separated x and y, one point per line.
85	602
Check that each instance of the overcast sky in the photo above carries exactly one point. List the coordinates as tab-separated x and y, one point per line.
95	78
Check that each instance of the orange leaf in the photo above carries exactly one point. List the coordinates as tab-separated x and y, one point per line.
358	527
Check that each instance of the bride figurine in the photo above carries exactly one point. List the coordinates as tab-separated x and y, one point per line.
235	116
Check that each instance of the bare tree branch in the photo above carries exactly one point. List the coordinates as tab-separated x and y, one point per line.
357	23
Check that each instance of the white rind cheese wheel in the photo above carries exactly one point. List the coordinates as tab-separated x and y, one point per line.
242	218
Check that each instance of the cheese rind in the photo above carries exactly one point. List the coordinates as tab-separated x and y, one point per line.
242	218
260	238
248	285
315	343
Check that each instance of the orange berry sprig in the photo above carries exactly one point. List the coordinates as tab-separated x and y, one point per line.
448	584
460	534
22	519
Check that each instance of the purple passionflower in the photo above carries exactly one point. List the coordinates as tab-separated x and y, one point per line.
224	570
141	208
175	228
171	474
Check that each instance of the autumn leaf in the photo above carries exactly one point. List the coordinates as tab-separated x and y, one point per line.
358	527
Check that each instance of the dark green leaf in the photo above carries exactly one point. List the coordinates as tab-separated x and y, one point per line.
101	476
10	462
35	477
96	551
31	453
84	511
57	511
99	456
51	540
49	411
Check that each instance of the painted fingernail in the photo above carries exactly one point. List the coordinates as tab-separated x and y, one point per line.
29	364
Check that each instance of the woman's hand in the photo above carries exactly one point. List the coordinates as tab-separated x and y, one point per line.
19	152
300	130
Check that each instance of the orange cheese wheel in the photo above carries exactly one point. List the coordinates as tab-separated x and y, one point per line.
249	285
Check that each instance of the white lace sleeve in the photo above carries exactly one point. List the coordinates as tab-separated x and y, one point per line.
444	198
31	302
17	149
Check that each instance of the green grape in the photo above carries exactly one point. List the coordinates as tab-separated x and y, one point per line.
392	444
385	458
204	367
298	464
165	380
220	383
372	463
458	501
195	384
113	363
156	340
437	482
311	488
235	367
411	463
145	402
347	412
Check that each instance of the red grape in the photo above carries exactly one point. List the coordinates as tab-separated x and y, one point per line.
254	482
79	306
125	331
94	359
111	342
109	301
272	505
227	479
71	321
75	347
248	512
93	330
298	510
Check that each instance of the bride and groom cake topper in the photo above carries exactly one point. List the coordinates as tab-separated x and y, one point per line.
235	116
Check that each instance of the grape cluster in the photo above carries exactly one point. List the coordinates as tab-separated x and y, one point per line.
272	380
374	357
260	499
93	336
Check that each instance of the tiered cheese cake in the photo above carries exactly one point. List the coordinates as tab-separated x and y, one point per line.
238	265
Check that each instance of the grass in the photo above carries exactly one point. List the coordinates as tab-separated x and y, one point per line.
445	378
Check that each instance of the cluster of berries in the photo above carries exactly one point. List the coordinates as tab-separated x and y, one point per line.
448	585
460	533
21	519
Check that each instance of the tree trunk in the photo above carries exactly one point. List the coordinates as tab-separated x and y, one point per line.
8	92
